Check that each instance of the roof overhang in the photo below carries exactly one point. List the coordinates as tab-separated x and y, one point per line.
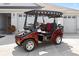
19	6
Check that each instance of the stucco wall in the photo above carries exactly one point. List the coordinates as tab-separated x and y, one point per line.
21	20
18	21
77	23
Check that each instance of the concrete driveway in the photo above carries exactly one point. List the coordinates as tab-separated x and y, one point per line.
69	47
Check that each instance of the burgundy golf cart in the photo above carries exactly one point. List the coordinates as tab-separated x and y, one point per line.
39	28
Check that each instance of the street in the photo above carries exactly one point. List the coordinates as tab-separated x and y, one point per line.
69	47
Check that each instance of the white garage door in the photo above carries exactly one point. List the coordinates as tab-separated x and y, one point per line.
21	20
69	24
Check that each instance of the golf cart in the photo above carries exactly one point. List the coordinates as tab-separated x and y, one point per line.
40	29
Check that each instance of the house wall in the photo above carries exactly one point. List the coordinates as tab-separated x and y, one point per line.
14	19
18	19
21	20
77	23
72	24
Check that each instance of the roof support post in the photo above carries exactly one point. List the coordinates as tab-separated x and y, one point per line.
36	16
25	22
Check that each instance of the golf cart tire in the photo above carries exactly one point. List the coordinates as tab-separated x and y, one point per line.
58	43
25	43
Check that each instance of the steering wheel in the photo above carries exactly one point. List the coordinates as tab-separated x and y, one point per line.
60	26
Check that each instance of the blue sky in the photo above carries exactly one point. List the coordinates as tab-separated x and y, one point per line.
68	5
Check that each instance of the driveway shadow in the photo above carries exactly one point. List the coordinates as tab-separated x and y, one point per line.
1	36
65	50
19	51
53	50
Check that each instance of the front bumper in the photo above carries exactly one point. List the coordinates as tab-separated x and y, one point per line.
18	40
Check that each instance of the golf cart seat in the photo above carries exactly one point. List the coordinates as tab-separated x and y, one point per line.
50	27
46	29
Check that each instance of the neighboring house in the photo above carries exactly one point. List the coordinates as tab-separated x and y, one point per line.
13	14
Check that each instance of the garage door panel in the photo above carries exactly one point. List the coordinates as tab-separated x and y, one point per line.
70	25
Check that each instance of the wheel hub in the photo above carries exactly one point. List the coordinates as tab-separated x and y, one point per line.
30	45
58	40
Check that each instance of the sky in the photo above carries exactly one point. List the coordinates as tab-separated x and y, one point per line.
68	5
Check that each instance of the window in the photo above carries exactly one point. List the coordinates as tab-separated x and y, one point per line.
20	15
65	17
69	16
30	20
73	16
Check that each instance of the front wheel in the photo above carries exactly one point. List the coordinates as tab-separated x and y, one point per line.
29	45
58	40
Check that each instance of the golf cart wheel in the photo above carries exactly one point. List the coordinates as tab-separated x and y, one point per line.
58	40
29	45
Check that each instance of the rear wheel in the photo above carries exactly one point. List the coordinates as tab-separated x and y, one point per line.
29	45
58	40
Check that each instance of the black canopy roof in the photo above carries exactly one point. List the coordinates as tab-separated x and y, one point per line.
45	13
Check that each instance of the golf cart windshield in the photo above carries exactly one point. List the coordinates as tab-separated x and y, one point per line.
30	20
